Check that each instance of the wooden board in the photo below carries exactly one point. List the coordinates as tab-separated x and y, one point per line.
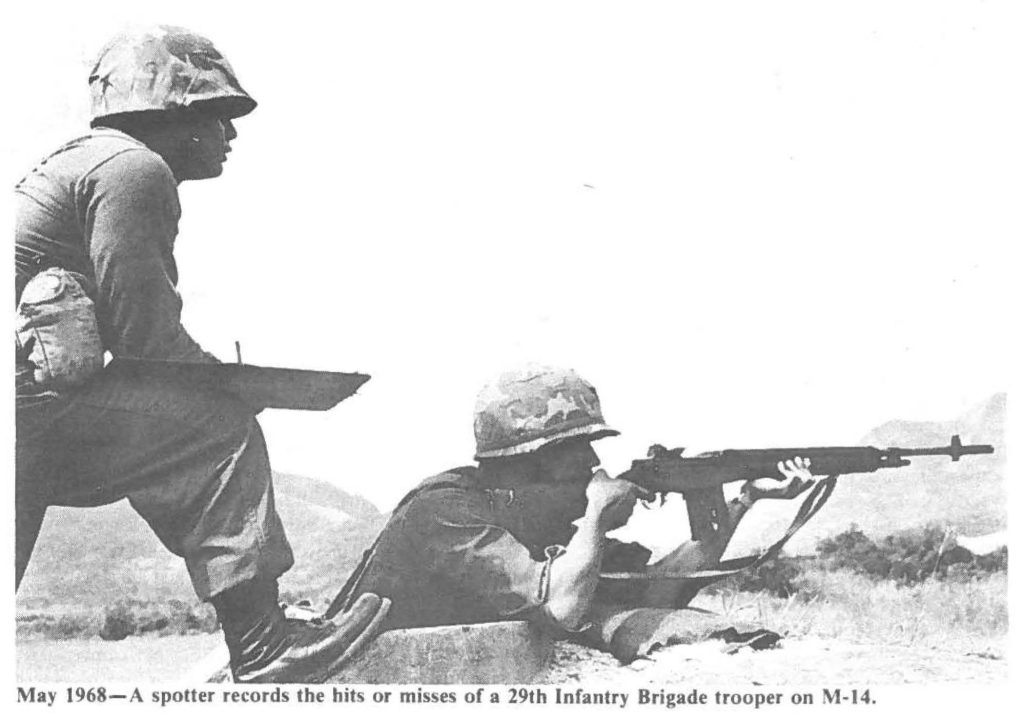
259	386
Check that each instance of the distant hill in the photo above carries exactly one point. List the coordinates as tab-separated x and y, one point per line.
93	557
969	495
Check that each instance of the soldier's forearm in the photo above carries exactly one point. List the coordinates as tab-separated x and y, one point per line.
575	574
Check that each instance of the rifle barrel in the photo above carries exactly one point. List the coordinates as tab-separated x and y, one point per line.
955	450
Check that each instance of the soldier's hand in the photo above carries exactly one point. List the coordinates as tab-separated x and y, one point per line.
611	501
796	478
22	352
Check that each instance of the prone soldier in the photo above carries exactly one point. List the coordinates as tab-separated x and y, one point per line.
522	534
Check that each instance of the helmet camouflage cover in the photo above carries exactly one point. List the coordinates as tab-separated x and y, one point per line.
164	68
524	410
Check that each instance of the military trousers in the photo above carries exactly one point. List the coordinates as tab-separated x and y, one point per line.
193	463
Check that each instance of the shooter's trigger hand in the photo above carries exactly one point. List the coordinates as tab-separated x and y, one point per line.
611	501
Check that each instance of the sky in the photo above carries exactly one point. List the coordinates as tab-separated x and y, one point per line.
748	224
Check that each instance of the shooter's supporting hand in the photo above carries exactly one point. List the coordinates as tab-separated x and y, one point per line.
796	478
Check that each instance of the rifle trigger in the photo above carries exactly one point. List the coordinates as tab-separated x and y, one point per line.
649	504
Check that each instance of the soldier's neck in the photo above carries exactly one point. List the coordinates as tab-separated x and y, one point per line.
509	472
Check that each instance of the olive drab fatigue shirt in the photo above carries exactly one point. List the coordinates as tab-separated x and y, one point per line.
106	206
455	551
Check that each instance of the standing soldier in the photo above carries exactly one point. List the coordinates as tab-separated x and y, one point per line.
95	232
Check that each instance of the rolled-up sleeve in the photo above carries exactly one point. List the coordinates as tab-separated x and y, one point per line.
131	217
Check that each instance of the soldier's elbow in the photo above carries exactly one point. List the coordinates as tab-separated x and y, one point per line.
565	614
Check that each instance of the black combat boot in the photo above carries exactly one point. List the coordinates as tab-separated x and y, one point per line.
267	647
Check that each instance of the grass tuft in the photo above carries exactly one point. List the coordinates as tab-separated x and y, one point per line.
964	615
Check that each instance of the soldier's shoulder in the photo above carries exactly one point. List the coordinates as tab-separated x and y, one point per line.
453	488
460	479
97	154
115	152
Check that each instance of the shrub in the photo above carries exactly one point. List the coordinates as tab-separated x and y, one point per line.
777	576
118	623
137	618
72	625
908	557
852	549
198	618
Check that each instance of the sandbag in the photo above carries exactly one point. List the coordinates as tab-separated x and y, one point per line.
629	633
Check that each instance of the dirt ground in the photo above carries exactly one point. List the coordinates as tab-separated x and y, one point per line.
796	661
808	661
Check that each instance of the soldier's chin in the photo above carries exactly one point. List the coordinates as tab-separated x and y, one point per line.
208	170
217	168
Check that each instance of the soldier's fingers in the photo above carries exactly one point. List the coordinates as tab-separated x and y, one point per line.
782	468
26	348
639	492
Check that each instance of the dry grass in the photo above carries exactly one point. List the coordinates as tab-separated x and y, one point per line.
968	616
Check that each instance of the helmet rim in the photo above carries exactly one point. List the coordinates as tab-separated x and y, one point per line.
593	432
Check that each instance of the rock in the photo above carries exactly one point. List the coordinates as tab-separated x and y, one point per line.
507	652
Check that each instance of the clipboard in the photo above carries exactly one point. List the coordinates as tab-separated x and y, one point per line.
260	387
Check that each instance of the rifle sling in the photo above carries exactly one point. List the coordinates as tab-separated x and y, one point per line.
815	500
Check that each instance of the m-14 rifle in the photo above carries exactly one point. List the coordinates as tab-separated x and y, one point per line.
667	470
700	479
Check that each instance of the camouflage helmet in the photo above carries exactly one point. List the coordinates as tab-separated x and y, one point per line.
164	68
526	409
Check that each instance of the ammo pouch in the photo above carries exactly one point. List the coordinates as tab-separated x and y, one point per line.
58	337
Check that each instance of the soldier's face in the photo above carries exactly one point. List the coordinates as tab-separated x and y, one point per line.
206	146
569	461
